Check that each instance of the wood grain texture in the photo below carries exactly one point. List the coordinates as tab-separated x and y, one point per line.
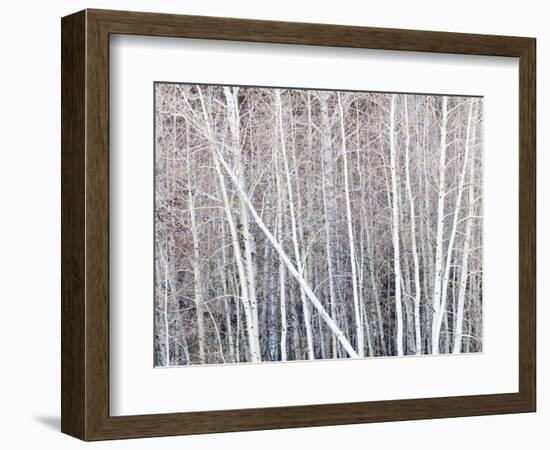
527	225
85	224
73	108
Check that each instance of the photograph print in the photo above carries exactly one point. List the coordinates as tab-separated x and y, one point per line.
302	224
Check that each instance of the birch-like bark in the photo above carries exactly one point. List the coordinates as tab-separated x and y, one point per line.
199	301
459	320
417	333
363	237
165	309
371	268
294	229
286	260
353	262
223	270
373	202
436	324
395	231
282	273
282	299
450	248
329	202
253	340
248	240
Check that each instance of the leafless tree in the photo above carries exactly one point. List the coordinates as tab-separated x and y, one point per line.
299	224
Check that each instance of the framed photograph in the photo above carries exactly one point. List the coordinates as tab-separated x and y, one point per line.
273	225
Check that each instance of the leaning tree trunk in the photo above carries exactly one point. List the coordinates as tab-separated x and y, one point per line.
288	263
248	238
253	341
294	229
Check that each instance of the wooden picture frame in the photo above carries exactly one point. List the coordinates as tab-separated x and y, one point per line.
85	224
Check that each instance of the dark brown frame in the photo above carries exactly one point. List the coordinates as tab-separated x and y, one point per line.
85	224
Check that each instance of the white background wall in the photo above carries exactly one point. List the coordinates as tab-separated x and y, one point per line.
30	221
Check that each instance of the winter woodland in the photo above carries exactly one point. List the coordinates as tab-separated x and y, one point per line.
295	224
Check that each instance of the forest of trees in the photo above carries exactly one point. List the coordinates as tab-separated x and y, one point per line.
296	224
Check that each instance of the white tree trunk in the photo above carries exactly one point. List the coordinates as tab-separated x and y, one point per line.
198	299
253	341
223	276
355	290
282	299
436	325
198	279
294	230
248	240
395	231
286	260
165	310
304	219
417	333
329	202
457	343
363	232
450	248
282	274
371	267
